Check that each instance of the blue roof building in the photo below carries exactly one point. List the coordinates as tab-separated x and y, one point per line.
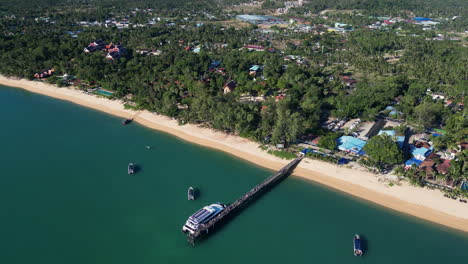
343	161
306	150
214	64
422	19
464	185
255	68
391	133
420	153
351	144
412	161
400	140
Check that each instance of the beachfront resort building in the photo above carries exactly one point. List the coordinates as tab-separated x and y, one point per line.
113	51
351	145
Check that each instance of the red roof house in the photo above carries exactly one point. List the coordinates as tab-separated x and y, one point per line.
443	167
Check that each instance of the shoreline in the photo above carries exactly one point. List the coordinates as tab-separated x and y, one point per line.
426	204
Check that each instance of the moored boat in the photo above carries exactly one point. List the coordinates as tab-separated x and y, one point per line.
357	245
202	216
191	194
131	168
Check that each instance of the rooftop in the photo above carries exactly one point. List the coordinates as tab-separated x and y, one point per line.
352	144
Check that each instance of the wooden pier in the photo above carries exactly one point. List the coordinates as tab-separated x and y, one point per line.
240	203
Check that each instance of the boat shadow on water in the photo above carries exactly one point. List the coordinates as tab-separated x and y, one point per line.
196	193
137	168
364	245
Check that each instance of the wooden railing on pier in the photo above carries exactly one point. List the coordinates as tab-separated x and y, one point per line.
239	203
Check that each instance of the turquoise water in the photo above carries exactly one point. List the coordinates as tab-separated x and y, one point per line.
66	198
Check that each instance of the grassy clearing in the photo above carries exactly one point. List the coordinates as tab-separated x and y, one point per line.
282	154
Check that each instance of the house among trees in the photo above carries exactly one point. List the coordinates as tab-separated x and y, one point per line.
428	165
254	47
419	152
229	87
214	64
93	46
255	69
115	51
443	167
348	81
148	52
44	74
279	97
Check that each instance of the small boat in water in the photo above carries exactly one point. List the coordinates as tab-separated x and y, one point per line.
202	216
191	194
127	121
131	168
357	245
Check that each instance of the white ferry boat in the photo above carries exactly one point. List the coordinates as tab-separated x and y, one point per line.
202	216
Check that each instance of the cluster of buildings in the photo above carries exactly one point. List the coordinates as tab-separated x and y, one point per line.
254	48
359	132
441	37
449	102
112	51
424	159
297	59
383	22
287	6
120	24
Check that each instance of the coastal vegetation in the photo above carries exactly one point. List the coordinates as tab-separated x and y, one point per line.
274	84
382	150
282	154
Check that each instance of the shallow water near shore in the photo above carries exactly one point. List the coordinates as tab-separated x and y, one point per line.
66	198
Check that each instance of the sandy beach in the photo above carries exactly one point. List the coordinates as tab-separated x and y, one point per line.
420	202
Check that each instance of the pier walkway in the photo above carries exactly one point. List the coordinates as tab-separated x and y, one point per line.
242	201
